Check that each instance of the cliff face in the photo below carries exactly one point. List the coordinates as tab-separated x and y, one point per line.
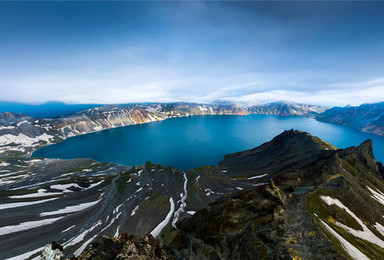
367	117
327	203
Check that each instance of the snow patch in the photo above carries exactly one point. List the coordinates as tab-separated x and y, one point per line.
23	204
134	210
24	140
81	237
40	193
208	192
64	187
257	177
366	234
379	196
67	229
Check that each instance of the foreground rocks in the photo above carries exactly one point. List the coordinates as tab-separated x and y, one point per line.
125	247
143	247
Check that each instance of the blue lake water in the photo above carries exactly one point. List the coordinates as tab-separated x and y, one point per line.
190	142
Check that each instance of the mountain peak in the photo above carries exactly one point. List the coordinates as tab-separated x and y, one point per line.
288	150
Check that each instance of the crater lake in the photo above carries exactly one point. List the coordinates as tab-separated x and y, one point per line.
189	142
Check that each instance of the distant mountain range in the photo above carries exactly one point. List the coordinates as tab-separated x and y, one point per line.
367	117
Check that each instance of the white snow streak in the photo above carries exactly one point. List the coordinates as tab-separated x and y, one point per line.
257	177
379	196
64	187
81	237
26	255
40	193
183	203
26	225
67	229
83	246
351	250
156	231
71	209
117	232
366	234
134	210
22	204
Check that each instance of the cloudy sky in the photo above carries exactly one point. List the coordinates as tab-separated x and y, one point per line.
328	53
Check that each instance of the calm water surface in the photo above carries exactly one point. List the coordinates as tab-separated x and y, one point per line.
200	140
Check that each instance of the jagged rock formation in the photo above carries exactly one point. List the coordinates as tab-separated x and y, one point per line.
53	251
367	117
125	246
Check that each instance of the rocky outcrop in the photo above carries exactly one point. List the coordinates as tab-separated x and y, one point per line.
290	150
254	224
54	251
144	247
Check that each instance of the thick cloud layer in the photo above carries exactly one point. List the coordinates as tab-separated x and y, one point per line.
329	53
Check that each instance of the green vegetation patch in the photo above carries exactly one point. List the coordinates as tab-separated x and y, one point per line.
122	180
315	205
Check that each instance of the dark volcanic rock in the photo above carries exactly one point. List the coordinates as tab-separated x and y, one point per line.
288	151
125	247
251	225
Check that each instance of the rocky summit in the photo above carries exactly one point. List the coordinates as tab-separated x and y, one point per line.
309	200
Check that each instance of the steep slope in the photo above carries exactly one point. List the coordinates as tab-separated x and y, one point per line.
74	201
286	152
367	117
